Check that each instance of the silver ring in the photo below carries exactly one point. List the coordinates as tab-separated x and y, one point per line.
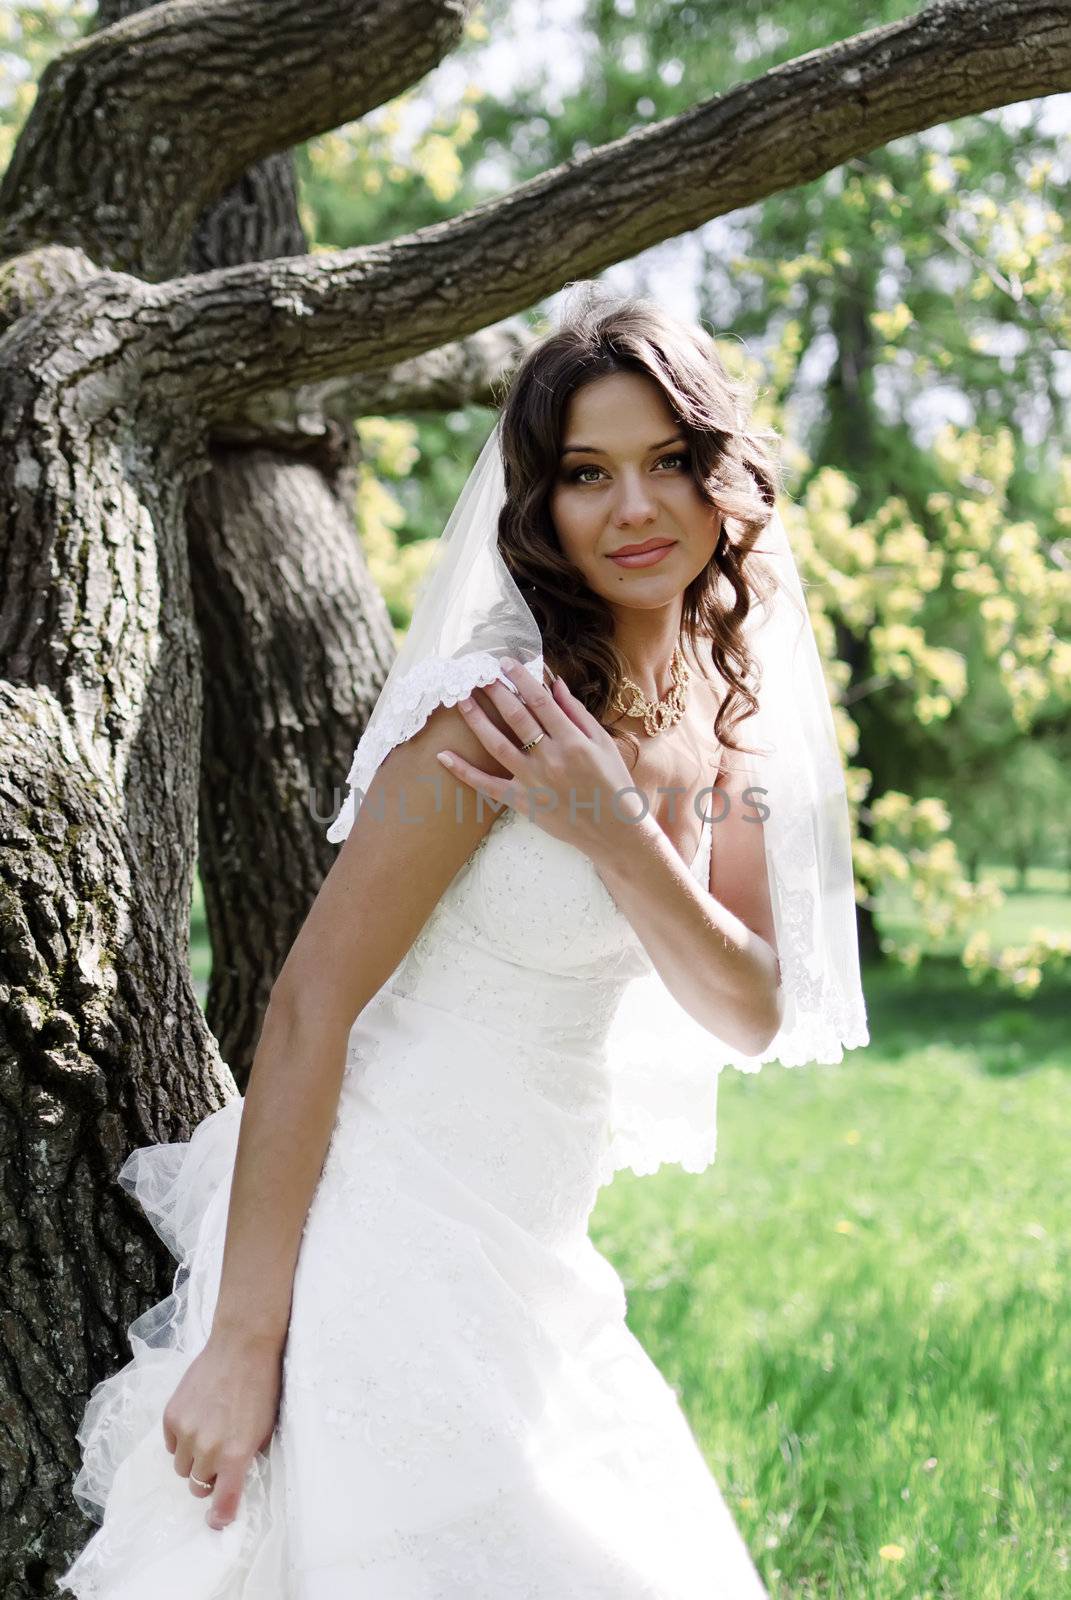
533	742
198	1482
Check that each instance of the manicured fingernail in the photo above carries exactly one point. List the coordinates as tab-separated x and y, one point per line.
445	757
509	663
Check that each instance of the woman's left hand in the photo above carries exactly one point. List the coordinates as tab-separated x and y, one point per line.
568	781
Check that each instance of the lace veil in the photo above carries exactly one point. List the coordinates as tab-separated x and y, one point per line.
663	1064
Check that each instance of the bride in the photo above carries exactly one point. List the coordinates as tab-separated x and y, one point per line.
596	849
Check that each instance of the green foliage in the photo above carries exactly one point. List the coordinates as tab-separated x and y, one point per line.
412	468
389	448
945	639
30	35
402	167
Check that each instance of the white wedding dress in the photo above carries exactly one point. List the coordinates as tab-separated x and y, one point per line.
465	1414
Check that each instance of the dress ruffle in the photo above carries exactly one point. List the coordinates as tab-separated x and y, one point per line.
154	1542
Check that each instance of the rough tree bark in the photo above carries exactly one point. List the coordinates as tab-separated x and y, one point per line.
164	339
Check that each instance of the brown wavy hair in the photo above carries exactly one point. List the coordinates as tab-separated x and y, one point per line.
735	472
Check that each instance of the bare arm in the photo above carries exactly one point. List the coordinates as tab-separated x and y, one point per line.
408	840
715	948
382	887
712	947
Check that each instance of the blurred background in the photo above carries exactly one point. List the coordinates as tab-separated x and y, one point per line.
864	1302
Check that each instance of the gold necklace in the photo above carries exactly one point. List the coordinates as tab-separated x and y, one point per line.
657	715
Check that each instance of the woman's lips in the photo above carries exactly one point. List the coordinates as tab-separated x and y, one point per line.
645	558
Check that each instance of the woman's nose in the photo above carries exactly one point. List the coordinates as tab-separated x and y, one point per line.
635	504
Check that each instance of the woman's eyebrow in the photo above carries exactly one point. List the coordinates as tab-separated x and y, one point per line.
593	449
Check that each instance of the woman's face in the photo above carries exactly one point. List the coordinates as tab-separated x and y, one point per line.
630	484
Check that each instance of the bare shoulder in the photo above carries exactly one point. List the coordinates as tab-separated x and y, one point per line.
413	831
416	814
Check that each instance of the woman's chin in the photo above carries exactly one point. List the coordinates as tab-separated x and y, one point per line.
642	592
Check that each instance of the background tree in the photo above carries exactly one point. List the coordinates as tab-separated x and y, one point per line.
185	599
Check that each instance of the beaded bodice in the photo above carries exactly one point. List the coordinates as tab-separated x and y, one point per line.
527	941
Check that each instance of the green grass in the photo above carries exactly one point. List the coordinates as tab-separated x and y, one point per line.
864	1302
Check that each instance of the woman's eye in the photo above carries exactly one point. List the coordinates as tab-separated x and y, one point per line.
675	455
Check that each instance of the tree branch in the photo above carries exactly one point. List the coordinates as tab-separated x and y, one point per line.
468	372
137	128
30	281
219	338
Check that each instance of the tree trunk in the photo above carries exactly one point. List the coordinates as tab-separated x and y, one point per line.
290	622
102	1043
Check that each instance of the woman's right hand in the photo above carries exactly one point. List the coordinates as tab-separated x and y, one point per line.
222	1412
